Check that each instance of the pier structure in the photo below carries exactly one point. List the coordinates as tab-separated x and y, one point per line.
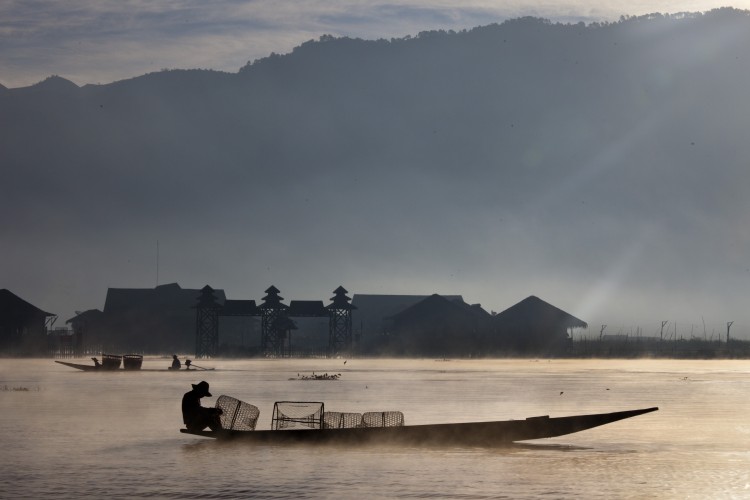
307	309
276	320
207	324
277	323
340	323
276	326
239	308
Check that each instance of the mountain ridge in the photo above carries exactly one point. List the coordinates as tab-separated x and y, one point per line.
508	147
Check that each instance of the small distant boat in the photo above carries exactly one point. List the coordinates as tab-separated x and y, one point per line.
110	362
189	369
103	368
188	365
457	434
88	368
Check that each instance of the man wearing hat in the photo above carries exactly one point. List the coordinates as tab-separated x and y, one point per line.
195	416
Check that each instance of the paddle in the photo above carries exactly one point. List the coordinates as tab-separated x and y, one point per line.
199	367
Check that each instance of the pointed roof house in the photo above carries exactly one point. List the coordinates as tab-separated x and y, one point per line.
90	315
534	325
437	307
374	309
372	317
13	306
534	311
22	325
440	326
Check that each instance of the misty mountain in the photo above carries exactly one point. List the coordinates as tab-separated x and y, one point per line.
525	151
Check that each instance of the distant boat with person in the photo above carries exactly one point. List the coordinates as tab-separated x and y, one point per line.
129	362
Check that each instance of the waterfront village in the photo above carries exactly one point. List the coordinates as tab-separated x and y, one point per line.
205	323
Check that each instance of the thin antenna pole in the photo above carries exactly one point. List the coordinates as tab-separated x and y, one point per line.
729	325
157	262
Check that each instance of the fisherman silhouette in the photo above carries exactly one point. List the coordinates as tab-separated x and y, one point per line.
175	362
97	364
196	417
187	364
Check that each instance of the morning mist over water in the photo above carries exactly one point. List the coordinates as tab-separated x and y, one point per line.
601	167
75	434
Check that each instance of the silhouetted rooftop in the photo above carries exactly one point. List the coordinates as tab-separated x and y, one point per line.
91	314
437	304
307	308
240	308
169	296
11	305
532	309
384	306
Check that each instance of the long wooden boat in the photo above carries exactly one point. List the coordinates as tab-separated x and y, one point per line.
93	368
461	434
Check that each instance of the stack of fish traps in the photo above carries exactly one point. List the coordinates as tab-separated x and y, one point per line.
290	415
342	420
383	419
111	361
237	415
132	361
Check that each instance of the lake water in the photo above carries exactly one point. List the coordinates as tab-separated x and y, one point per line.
115	435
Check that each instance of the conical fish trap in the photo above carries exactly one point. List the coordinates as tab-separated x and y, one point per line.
237	415
297	415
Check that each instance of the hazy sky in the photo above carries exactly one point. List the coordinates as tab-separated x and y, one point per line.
691	259
100	41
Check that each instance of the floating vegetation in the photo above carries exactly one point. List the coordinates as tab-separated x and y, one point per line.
314	376
7	388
